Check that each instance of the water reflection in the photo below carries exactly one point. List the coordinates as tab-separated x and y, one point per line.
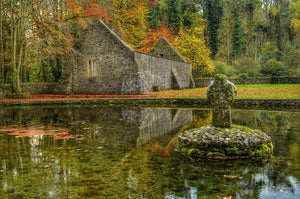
80	152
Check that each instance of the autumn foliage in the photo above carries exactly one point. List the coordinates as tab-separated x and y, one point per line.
153	36
36	35
191	45
130	18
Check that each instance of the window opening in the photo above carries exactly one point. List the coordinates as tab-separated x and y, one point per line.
91	68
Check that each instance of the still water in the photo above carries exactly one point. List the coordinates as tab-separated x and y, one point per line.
122	152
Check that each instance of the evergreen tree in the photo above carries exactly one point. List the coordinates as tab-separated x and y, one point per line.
153	17
174	14
237	34
190	13
213	13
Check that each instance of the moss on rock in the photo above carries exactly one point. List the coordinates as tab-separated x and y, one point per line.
224	143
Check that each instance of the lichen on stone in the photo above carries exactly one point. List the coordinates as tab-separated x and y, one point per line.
223	143
221	94
221	140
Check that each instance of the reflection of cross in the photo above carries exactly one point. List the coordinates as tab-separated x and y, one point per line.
221	94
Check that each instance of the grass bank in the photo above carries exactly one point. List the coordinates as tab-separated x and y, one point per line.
249	96
255	91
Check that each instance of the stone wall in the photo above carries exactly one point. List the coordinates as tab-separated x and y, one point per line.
204	82
285	80
165	50
103	62
32	88
158	71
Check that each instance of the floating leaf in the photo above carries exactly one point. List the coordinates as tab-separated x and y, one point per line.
230	176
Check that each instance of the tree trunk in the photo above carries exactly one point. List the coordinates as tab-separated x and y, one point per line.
15	70
19	24
1	50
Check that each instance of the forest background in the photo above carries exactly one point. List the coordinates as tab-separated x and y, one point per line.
242	38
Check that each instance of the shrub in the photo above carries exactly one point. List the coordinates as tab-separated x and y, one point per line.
273	68
243	75
248	66
270	50
223	68
293	63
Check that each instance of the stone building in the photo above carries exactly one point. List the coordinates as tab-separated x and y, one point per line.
104	64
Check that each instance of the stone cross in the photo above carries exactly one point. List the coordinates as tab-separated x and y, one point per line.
221	94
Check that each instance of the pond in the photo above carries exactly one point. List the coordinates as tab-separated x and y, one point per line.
123	152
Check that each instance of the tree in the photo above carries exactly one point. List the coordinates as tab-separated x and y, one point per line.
225	32
191	45
173	12
19	24
294	16
251	12
36	34
4	38
130	18
153	16
237	34
213	13
154	34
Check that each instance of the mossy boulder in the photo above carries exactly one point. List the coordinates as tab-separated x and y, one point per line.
224	143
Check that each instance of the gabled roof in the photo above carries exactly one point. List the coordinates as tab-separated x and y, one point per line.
164	49
101	23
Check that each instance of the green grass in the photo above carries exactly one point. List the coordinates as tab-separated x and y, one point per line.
255	91
266	85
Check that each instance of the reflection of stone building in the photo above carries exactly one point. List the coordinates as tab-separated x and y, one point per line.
153	123
131	127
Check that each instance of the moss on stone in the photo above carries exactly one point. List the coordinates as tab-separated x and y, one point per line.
204	143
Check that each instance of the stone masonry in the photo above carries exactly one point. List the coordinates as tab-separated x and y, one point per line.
221	94
104	64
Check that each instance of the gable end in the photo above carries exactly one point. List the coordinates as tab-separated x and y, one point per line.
165	50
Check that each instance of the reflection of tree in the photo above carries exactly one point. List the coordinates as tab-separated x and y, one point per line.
294	154
81	165
283	127
205	178
201	118
105	162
